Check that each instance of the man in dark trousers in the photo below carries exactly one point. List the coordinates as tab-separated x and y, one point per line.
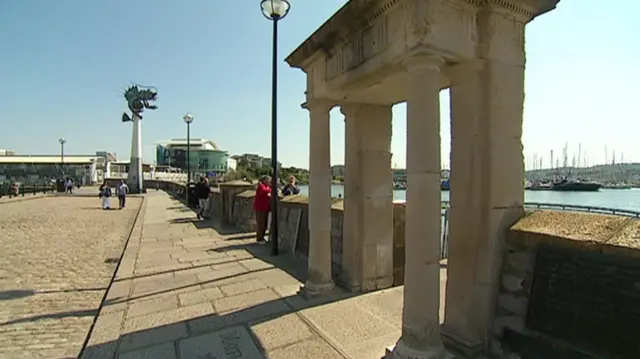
203	191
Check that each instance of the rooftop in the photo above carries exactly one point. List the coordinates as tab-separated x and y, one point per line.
192	142
47	159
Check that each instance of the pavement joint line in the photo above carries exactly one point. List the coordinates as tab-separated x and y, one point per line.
314	328
115	273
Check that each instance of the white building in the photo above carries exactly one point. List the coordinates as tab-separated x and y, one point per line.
232	164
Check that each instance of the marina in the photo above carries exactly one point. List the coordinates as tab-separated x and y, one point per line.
624	199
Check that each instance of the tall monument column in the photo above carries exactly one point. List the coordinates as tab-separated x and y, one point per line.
420	318
138	99
367	248
135	175
319	278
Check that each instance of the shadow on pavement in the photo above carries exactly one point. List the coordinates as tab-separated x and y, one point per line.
216	334
214	223
234	329
179	209
253	329
74	313
16	294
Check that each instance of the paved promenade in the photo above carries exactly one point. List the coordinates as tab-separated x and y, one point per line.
57	257
185	290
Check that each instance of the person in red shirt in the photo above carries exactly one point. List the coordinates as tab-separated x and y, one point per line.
262	206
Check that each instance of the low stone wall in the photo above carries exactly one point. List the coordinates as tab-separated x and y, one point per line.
570	287
233	203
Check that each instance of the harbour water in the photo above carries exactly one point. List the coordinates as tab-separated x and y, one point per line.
628	199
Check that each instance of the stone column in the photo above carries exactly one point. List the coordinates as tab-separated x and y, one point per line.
319	277
487	180
367	249
420	318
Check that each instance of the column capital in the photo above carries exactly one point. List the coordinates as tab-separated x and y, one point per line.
350	109
320	104
423	61
463	72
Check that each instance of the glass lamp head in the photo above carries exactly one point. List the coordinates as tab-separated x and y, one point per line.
275	9
188	118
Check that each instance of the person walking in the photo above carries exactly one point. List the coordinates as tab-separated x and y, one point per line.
105	194
203	191
262	207
121	192
68	184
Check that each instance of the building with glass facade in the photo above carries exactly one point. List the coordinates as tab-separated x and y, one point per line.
205	156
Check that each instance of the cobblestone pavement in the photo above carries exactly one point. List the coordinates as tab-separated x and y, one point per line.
57	257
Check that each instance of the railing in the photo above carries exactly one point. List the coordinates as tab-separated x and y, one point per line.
571	207
7	190
163	176
444	243
579	208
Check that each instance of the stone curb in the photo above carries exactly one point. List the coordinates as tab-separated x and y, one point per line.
103	337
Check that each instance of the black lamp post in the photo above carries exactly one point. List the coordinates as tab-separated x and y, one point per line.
62	141
274	10
188	118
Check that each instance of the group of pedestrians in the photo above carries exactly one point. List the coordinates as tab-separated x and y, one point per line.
262	202
105	194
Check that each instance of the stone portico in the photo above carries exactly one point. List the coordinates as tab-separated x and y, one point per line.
371	55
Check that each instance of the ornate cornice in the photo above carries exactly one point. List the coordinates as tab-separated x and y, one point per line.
353	17
528	9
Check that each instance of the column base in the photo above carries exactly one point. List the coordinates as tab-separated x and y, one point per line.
312	290
401	351
460	346
368	286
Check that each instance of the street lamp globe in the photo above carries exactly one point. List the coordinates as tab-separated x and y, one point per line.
188	118
275	9
62	140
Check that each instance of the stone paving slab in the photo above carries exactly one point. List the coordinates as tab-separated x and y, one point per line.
58	255
184	291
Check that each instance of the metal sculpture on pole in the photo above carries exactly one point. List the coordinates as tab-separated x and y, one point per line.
138	99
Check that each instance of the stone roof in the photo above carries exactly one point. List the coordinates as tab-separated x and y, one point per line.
357	14
353	14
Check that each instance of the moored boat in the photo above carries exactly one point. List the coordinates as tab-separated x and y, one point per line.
575	186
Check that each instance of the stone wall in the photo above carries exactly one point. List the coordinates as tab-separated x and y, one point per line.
232	202
535	314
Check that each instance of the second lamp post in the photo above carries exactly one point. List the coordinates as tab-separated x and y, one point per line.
188	118
274	10
62	141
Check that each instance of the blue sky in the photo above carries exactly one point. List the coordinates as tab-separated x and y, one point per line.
64	64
